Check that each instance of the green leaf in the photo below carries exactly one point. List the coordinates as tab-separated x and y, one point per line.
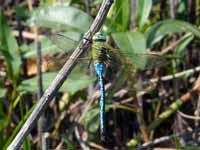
182	45
122	11
182	10
66	40
44	3
22	12
46	47
190	147
143	8
17	128
91	120
76	81
156	32
2	92
179	51
133	44
61	42
9	49
69	144
2	138
3	121
3	118
27	143
61	17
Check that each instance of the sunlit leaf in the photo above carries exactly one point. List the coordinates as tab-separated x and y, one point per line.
9	49
156	32
132	43
61	17
46	47
76	81
122	11
2	92
62	42
143	8
181	11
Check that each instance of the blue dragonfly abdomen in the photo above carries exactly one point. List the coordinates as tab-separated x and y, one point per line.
100	71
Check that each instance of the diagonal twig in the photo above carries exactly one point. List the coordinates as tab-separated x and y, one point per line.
61	76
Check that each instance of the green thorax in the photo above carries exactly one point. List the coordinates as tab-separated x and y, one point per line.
99	52
99	49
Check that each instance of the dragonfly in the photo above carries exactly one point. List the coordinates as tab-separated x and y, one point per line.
100	56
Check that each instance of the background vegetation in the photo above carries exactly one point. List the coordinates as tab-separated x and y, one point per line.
157	107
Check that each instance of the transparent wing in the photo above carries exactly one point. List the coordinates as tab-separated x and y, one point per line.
66	40
147	60
142	61
69	40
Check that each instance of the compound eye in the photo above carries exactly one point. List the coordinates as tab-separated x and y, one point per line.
99	37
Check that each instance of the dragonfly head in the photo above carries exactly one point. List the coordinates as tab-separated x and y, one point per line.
99	37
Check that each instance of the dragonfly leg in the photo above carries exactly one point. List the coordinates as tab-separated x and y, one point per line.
88	37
